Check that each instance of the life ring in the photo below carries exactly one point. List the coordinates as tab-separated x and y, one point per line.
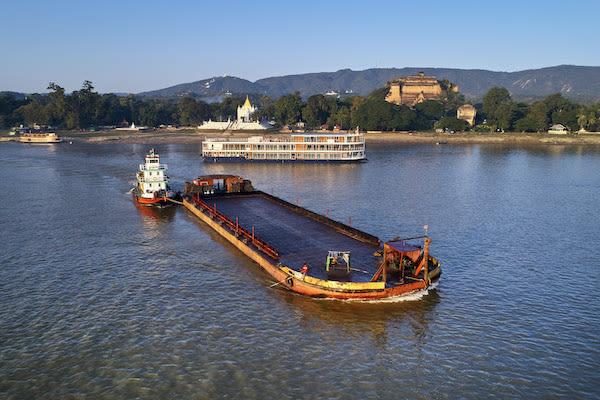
289	281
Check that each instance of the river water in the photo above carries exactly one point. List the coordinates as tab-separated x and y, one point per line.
99	299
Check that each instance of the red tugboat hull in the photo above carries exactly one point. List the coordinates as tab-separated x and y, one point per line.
158	202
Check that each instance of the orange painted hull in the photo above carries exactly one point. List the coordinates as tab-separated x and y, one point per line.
158	202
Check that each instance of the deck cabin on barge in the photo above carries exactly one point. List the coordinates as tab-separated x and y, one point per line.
299	248
298	147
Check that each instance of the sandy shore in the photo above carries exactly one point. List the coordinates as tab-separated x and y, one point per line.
191	136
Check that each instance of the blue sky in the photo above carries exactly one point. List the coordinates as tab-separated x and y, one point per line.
133	46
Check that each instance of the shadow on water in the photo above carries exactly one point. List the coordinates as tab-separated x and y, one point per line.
371	319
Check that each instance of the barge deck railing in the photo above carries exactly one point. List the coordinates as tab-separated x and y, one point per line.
236	229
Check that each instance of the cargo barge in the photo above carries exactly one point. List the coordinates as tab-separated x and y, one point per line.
306	252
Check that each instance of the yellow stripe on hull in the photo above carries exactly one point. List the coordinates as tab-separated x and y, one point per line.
337	285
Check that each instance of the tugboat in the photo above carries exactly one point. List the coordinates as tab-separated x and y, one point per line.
152	187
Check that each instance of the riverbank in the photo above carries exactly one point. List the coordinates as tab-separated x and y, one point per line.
192	136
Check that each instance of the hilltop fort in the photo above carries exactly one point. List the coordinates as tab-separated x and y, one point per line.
412	90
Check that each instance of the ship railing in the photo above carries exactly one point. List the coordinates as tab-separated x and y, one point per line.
153	167
234	227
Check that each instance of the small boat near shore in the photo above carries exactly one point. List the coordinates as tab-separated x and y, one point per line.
39	138
309	253
152	187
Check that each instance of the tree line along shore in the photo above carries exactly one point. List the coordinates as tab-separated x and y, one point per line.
87	110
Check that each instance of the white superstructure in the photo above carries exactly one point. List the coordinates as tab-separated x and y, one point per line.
151	179
296	147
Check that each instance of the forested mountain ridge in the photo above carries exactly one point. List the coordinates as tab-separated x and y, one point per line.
579	83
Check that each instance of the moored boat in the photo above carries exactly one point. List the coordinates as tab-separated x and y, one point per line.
309	253
152	187
297	147
39	138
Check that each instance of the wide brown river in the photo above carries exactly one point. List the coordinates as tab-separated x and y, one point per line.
102	300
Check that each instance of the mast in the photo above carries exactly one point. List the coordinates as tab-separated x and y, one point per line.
426	261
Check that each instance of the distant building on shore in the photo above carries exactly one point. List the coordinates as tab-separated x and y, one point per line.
133	128
558	129
412	90
243	121
467	112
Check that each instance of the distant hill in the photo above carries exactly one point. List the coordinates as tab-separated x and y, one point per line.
208	88
578	83
16	95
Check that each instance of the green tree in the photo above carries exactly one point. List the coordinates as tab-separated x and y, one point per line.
8	105
431	109
588	118
229	107
87	101
452	124
34	111
341	117
110	111
450	98
379	94
57	107
288	108
192	112
562	111
131	107
554	109
525	124
316	111
499	108
377	114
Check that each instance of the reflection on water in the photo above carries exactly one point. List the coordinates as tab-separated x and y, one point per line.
353	318
165	214
101	299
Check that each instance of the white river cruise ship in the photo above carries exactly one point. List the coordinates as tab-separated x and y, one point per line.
298	147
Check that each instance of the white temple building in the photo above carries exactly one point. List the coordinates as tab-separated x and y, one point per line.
243	121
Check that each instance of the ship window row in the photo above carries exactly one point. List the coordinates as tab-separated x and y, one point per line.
279	147
334	147
233	146
336	139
